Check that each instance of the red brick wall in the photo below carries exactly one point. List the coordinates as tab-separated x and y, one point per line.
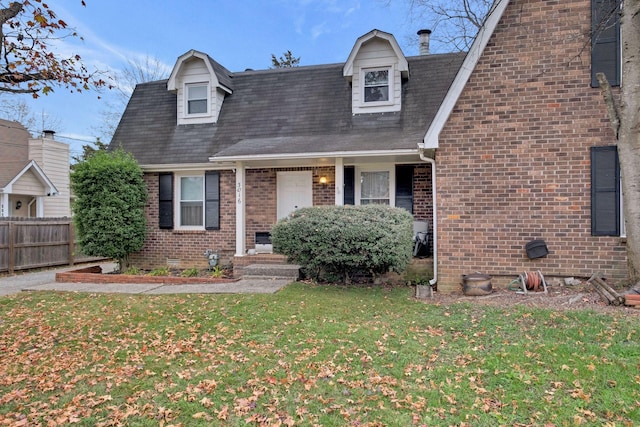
260	192
261	209
422	194
188	246
514	161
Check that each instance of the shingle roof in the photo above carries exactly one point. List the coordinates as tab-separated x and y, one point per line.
291	110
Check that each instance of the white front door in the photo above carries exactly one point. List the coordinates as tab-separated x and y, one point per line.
295	190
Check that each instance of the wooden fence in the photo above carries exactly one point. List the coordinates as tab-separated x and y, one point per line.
27	243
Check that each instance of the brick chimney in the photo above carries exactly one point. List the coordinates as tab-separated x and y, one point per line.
425	35
48	134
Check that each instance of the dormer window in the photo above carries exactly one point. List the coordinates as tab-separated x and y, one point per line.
376	85
201	85
376	69
197	99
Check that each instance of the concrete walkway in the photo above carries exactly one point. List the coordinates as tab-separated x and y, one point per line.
46	281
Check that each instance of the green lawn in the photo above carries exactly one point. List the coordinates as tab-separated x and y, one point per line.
311	355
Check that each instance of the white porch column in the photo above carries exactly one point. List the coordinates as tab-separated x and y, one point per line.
39	207
240	209
4	205
339	181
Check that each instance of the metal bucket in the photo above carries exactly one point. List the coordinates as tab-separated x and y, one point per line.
476	284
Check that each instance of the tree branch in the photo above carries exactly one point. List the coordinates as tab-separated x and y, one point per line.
610	102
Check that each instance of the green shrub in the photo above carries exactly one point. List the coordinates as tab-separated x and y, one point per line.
132	271
110	196
330	241
160	271
216	272
190	272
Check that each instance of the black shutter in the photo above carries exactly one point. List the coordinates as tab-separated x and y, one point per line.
605	41
404	187
605	191
349	185
212	200
165	197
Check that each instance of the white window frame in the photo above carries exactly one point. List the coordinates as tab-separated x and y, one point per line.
390	168
178	200
189	85
390	84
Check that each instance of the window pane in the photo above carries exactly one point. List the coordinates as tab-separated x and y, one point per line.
197	99
374	188
198	92
191	201
198	107
376	93
191	213
191	188
376	78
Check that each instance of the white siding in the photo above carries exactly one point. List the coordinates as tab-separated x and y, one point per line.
53	157
196	71
376	53
28	184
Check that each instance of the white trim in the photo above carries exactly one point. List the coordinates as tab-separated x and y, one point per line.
173	78
403	65
467	67
390	87
181	167
281	156
178	199
42	177
339	181
240	209
187	86
383	167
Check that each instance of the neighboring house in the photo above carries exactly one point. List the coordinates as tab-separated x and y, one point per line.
504	141
34	174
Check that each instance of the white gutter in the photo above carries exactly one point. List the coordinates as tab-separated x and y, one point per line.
434	238
316	155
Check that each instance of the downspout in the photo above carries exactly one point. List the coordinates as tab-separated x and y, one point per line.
433	281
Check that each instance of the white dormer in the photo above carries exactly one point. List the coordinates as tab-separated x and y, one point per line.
201	85
375	68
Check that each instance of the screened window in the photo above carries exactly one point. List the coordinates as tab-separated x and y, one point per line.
191	201
374	188
197	99
376	85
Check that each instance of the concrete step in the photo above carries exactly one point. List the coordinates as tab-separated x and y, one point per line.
271	271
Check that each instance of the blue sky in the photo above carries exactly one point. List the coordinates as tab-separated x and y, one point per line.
239	34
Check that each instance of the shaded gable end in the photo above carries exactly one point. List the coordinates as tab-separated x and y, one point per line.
201	85
375	68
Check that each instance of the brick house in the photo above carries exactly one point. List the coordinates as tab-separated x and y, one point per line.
504	141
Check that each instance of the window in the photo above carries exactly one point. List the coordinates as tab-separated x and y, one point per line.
605	41
605	192
375	186
191	201
376	85
197	201
197	99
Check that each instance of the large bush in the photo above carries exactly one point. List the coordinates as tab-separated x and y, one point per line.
110	196
341	241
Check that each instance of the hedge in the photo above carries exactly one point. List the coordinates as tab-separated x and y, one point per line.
339	242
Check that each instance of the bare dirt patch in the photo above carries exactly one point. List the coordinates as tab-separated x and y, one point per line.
581	296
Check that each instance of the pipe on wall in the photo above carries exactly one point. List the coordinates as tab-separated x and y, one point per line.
434	239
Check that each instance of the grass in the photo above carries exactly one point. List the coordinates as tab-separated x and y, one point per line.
310	355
